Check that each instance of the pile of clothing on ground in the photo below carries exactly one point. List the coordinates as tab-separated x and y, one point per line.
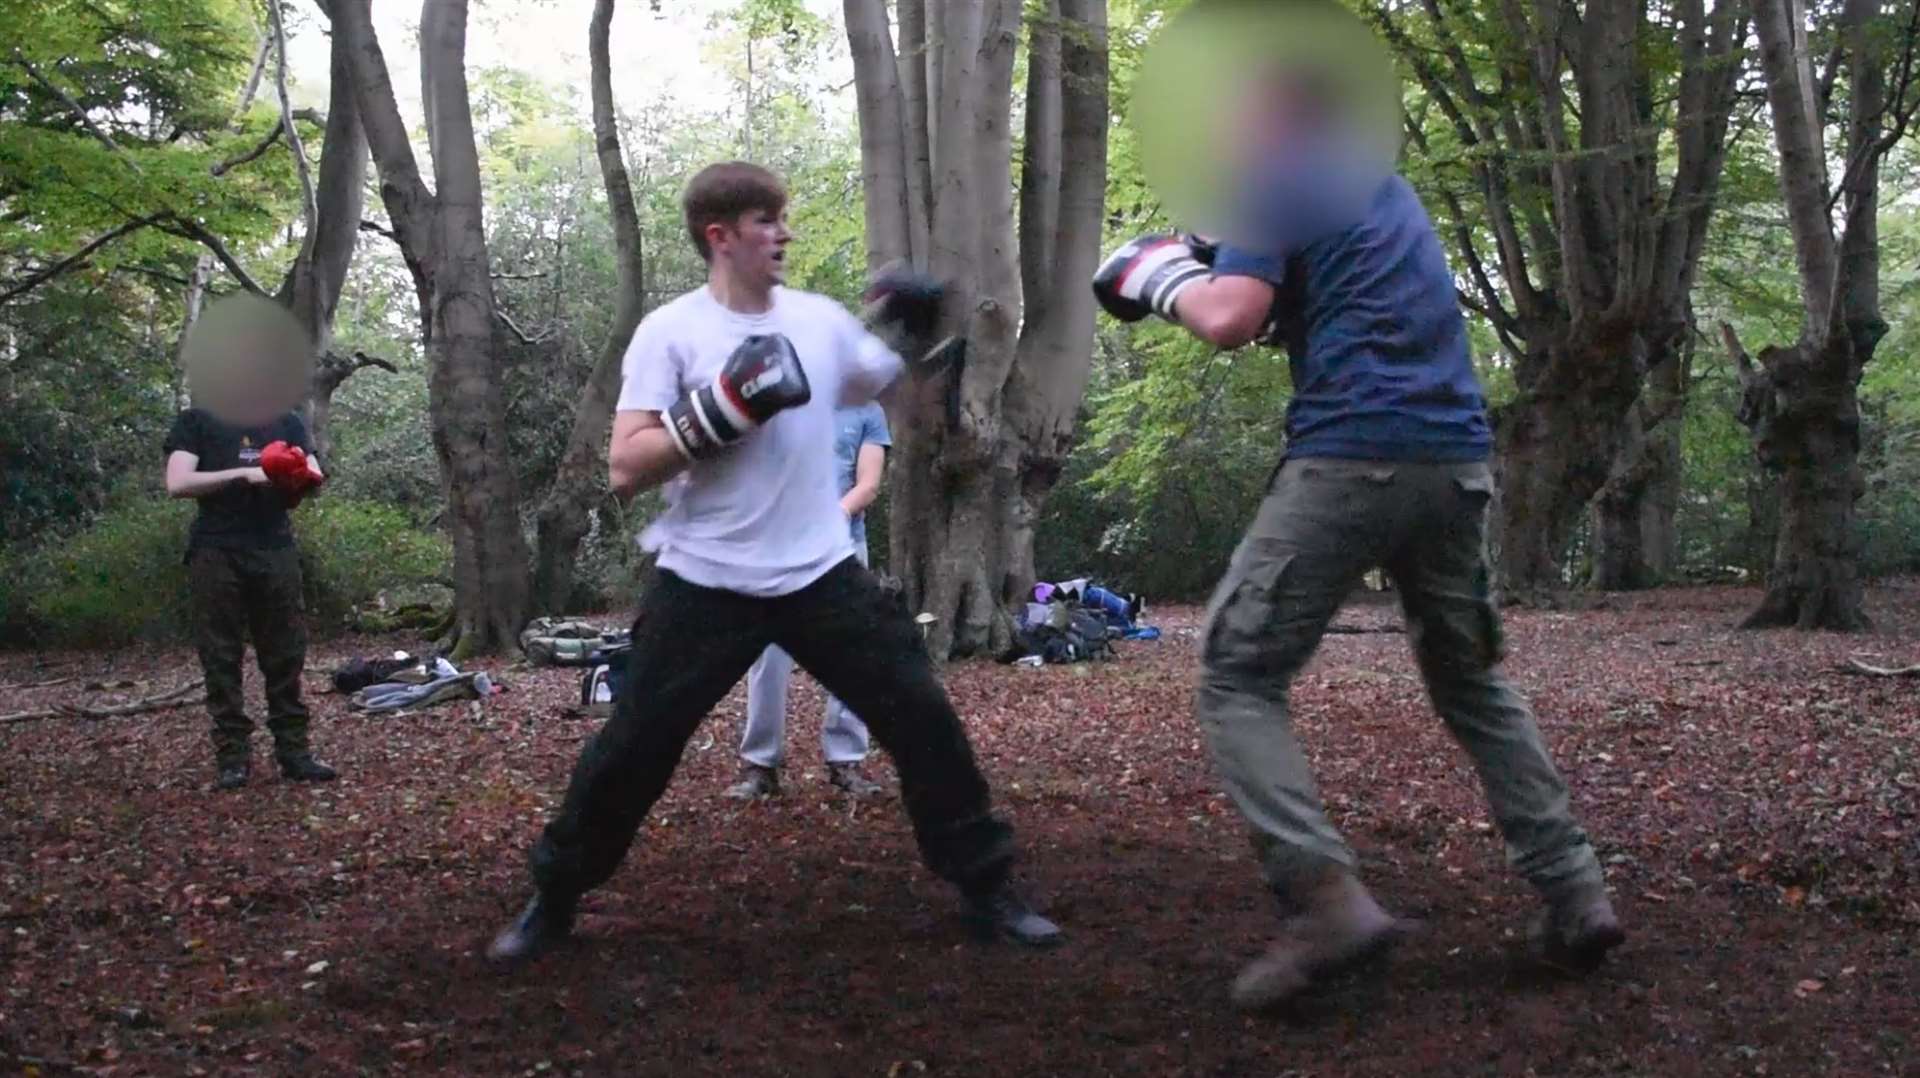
1074	621
405	682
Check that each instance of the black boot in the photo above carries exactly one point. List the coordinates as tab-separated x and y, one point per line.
1000	910
544	922
304	768
233	774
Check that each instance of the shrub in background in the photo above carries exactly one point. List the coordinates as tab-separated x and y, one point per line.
123	578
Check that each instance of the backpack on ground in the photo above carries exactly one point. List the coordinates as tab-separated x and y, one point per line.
558	642
603	682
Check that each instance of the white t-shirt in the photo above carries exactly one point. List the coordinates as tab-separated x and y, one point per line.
762	517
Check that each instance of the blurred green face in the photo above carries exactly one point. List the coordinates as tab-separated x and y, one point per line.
247	360
1228	90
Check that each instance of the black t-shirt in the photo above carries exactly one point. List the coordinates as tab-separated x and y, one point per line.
240	514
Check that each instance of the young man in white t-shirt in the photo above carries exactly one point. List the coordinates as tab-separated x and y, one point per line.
728	398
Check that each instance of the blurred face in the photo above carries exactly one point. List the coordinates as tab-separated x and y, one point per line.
753	250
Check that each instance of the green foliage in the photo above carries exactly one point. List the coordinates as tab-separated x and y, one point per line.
352	552
160	81
123	579
120	581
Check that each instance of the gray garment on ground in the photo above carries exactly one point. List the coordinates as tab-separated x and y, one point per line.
1323	524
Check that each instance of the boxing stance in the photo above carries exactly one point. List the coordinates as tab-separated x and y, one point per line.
730	391
1385	466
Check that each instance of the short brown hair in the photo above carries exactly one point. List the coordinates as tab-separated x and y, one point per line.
719	194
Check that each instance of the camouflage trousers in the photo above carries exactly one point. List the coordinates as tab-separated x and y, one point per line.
1322	526
242	593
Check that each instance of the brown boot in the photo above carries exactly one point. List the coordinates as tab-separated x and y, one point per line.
1339	926
1577	929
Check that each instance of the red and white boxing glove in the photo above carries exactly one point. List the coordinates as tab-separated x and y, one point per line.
1146	276
762	378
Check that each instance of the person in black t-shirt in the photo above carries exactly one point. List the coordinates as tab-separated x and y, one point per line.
245	574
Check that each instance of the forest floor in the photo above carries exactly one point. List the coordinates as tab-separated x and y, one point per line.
1758	808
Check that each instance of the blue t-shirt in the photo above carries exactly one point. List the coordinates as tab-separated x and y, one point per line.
1376	342
853	428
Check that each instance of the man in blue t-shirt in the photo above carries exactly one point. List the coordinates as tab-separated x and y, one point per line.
860	442
1386	466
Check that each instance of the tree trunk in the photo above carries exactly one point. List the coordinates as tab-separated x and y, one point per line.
1594	260
565	515
1633	532
1801	401
978	449
1810	436
468	410
1555	445
443	239
1063	195
312	286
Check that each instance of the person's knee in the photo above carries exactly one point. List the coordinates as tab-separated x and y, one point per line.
1462	643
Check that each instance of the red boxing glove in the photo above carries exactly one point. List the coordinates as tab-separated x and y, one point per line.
286	466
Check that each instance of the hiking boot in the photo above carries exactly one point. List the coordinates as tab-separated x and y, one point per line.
848	778
1576	930
755	781
545	921
233	775
1003	911
304	768
1340	926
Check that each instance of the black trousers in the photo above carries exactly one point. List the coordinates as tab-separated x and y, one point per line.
241	593
692	644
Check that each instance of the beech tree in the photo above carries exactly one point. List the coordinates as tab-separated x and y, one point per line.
564	516
1801	400
980	448
441	234
1557	117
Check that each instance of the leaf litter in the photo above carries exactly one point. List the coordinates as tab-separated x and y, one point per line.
1756	804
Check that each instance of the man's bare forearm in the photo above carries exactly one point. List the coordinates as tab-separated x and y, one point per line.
860	497
643	460
201	484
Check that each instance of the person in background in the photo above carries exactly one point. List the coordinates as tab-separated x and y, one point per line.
244	571
860	451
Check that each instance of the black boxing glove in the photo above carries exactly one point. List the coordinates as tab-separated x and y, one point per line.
1146	276
762	378
904	308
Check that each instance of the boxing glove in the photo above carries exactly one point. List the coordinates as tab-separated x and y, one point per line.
904	308
286	465
762	378
1146	276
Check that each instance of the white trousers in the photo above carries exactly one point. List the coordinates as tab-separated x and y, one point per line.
843	737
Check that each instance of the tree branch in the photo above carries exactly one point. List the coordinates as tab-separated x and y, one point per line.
514	328
73	106
180	697
40	277
193	230
1868	155
266	143
308	202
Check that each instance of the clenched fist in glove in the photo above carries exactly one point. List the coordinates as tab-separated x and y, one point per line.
287	467
761	378
1148	274
904	308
